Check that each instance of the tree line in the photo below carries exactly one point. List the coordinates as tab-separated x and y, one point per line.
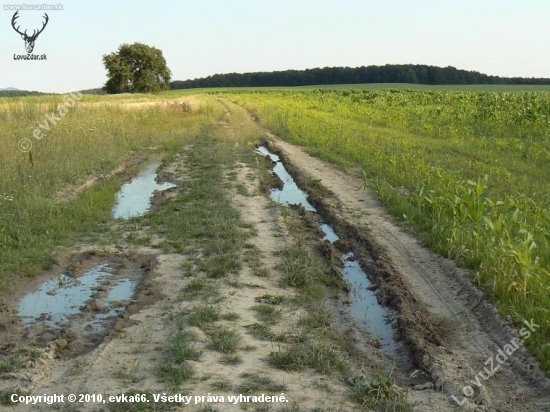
390	73
18	93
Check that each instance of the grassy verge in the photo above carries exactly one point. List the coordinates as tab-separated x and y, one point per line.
94	137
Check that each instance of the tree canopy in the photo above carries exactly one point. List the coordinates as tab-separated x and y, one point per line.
136	68
390	73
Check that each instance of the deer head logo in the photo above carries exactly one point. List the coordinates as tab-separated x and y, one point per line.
29	40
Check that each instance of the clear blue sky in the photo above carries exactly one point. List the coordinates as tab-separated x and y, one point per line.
200	38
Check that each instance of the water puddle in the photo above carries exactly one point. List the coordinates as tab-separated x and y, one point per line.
122	292
134	197
60	297
364	307
329	233
85	302
82	305
290	194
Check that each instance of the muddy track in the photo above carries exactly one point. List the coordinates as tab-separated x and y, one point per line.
130	356
449	327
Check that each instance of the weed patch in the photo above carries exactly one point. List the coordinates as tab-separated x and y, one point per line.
175	374
267	313
256	383
182	347
323	357
379	393
224	340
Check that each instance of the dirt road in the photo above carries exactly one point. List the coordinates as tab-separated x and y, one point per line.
219	310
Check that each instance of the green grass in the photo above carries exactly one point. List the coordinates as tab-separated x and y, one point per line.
220	265
203	315
252	383
365	86
231	316
300	267
289	360
231	359
314	343
379	393
222	386
295	267
252	257
267	313
5	396
16	358
440	87
242	189
175	374
323	357
270	299
263	332
183	347
200	288
202	223
11	364
239	285
224	340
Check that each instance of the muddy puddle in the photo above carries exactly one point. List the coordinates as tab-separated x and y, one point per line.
363	304
61	299
80	304
134	197
290	193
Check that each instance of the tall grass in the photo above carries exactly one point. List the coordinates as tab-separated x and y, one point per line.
92	139
467	170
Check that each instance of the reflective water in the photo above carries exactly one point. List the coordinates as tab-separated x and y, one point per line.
59	301
61	296
290	194
134	197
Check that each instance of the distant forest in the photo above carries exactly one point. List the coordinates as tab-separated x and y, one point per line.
390	73
18	93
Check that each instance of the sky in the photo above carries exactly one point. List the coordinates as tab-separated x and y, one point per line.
201	38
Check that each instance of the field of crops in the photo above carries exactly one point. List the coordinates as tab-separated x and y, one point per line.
468	171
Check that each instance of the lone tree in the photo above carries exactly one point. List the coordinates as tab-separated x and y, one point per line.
136	68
